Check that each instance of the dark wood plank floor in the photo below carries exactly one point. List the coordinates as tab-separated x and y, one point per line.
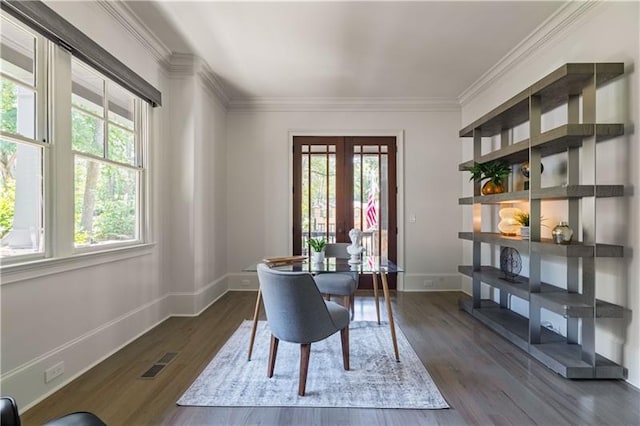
485	379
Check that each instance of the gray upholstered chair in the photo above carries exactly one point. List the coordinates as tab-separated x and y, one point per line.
9	416
297	313
341	283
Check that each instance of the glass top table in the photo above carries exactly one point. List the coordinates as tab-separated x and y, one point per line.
368	265
375	265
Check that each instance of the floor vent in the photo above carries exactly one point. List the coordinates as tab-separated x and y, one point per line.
159	365
167	358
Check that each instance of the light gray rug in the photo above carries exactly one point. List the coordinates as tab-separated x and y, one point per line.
375	380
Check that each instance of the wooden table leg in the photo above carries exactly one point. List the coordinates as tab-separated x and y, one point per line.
254	327
375	294
387	298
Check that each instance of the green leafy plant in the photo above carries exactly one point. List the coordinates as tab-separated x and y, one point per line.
522	218
317	244
495	171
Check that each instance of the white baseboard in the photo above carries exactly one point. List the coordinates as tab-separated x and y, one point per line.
432	282
26	383
193	304
243	281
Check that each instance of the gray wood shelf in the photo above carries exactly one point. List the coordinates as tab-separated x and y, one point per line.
574	305
551	142
554	89
545	245
554	351
564	359
550	193
574	86
519	286
554	298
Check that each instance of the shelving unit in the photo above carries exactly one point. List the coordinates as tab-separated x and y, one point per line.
573	355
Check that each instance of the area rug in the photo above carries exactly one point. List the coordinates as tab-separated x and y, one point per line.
375	379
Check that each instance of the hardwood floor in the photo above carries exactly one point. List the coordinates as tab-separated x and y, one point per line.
485	379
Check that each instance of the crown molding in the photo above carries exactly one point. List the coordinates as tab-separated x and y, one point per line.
556	26
136	27
212	82
181	65
284	104
185	65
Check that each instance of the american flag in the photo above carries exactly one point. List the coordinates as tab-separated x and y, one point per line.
372	211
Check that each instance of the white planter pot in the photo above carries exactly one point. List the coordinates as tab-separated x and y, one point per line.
524	232
317	256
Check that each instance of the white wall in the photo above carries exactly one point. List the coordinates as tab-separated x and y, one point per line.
259	168
81	315
607	32
197	187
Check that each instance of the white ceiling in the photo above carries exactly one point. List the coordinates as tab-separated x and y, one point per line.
345	49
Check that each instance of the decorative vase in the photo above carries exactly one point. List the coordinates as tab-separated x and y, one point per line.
562	233
525	232
491	188
508	225
317	256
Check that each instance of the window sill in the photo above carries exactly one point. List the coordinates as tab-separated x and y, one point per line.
43	267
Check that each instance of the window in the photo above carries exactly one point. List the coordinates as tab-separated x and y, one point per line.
21	143
99	132
105	139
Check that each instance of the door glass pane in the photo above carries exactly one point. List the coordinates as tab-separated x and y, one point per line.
105	203
318	197
370	203
359	202
21	225
318	194
17	52
383	198
305	210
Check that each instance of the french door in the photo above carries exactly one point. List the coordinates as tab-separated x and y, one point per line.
342	183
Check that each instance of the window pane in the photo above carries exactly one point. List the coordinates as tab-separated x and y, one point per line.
17	52
87	89
121	104
105	203
121	145
20	199
87	133
18	109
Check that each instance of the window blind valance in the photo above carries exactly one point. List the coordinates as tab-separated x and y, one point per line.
43	19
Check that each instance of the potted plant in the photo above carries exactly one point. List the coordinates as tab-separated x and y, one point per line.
317	249
495	171
523	219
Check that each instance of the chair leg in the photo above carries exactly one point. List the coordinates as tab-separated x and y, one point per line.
353	306
305	353
346	301
272	355
344	335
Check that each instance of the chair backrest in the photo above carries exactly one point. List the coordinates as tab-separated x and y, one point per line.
9	412
295	309
337	250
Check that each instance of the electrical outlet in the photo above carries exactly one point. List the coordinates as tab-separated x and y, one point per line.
245	283
53	372
427	283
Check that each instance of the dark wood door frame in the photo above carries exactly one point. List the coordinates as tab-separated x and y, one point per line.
344	188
